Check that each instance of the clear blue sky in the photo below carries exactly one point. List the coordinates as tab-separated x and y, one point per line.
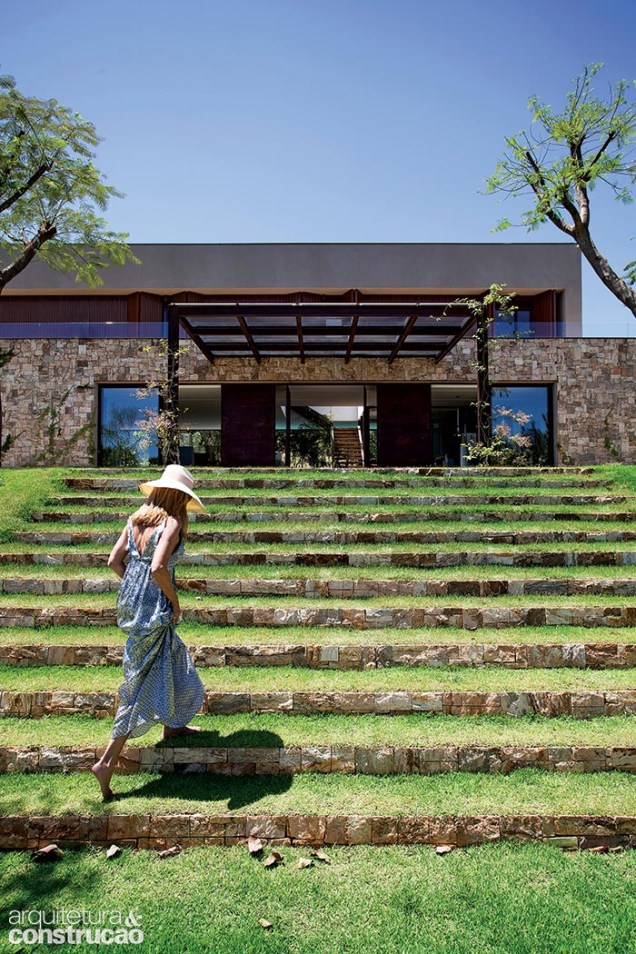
321	120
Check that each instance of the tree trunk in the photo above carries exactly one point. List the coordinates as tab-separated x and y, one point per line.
483	382
618	287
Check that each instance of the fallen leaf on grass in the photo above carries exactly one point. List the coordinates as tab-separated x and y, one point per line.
321	856
113	851
272	860
254	845
48	853
305	863
264	923
444	849
169	852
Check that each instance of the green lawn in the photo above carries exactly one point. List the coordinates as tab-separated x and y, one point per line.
525	792
202	634
337	528
504	899
272	730
356	552
46	571
298	679
190	600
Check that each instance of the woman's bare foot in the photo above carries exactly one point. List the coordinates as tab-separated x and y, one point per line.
103	774
168	731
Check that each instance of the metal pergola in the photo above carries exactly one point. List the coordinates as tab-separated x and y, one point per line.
306	329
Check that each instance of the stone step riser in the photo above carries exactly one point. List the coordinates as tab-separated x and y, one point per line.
425	471
345	658
338	589
327	759
430	516
345	538
326	483
415	560
579	705
459	500
21	832
470	618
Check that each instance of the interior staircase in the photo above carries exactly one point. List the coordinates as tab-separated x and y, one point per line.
491	613
347	449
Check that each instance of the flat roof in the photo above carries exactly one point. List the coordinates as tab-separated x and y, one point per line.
326	266
441	268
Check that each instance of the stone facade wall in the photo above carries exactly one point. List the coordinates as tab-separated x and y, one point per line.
49	389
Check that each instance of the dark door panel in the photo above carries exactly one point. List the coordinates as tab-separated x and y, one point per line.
248	421
404	425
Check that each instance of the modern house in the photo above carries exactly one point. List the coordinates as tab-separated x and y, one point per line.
344	354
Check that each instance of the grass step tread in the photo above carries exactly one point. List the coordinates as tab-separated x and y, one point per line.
526	792
199	634
292	679
268	729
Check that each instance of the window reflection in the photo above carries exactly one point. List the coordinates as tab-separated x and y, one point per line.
126	437
534	402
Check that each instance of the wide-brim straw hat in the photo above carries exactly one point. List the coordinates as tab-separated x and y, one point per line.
175	477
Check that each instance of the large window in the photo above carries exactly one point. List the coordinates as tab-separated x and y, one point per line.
123	442
527	410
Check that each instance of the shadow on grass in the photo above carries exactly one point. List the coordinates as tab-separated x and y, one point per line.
212	738
34	886
236	790
239	790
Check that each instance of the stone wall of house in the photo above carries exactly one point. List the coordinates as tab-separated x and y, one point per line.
49	388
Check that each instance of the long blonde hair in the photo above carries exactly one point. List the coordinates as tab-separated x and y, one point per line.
162	503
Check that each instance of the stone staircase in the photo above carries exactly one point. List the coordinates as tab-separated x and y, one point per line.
492	611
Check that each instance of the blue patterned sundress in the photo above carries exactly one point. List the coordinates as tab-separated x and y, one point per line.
161	683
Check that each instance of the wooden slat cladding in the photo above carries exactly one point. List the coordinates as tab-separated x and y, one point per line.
248	422
60	309
404	425
142	306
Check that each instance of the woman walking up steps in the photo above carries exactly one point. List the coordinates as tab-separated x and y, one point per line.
161	684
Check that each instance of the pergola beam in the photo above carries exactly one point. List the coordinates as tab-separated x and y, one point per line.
301	344
302	329
248	338
352	338
405	333
455	340
362	331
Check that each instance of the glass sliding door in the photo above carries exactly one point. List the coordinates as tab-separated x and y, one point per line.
325	425
200	424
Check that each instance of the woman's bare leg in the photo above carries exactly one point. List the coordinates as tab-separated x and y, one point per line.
104	768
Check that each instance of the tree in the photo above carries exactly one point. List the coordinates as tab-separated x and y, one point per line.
496	302
589	143
162	426
51	194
